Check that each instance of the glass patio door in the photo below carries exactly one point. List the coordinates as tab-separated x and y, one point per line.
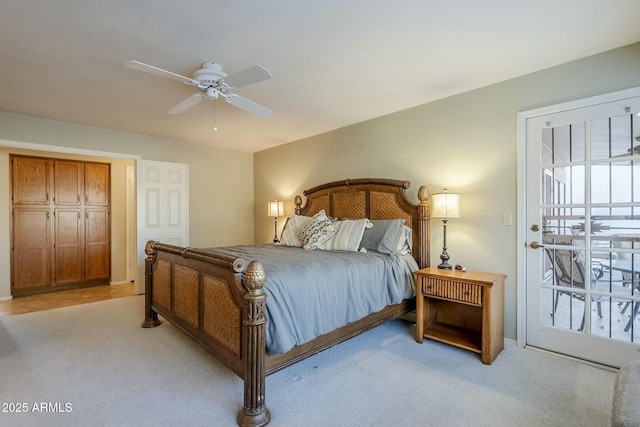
583	232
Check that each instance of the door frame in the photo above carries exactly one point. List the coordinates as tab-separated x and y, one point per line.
521	186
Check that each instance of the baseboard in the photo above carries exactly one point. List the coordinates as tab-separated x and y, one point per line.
122	282
7	298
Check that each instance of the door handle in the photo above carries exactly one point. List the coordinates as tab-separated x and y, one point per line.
535	245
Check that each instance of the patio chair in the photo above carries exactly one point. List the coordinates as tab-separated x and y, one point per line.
569	272
629	278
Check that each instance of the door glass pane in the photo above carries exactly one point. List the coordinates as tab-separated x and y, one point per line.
612	137
563	144
612	182
600	139
621	138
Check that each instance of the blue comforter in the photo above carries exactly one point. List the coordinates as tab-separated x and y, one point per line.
311	293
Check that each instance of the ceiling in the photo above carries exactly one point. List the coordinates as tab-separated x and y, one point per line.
334	62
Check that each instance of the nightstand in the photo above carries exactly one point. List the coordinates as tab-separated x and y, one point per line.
464	309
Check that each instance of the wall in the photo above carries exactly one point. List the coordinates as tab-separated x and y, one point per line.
220	181
466	143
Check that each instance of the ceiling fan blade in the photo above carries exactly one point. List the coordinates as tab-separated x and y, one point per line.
247	105
139	66
187	103
251	75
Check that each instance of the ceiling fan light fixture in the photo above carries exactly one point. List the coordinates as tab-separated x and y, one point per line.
212	92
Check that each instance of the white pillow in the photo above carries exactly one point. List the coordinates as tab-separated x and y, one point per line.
404	245
348	236
318	231
292	228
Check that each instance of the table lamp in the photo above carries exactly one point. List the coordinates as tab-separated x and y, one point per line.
274	210
445	205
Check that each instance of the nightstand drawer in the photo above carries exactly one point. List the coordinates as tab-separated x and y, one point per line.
452	290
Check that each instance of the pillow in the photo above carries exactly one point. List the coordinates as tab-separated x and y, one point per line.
405	242
318	231
348	236
383	236
292	228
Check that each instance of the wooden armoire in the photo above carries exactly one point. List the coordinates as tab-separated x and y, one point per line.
61	224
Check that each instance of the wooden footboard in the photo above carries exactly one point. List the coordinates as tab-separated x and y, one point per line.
203	294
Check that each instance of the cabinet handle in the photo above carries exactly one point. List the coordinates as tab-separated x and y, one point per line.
46	197
78	198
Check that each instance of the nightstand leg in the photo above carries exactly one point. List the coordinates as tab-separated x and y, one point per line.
419	312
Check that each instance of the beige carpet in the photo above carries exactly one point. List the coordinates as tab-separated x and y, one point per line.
93	365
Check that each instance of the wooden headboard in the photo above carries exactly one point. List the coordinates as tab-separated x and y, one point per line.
374	198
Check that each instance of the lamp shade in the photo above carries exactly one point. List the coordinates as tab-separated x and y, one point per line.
445	205
275	209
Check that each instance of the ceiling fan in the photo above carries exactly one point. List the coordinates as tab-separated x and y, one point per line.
213	83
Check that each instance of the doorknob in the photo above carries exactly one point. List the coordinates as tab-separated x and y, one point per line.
535	245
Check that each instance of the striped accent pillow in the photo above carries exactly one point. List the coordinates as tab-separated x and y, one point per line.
292	228
348	236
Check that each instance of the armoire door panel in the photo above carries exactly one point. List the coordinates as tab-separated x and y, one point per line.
61	224
68	180
96	184
30	178
97	245
69	246
31	248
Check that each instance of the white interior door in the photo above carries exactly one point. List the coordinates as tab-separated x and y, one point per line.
162	208
583	231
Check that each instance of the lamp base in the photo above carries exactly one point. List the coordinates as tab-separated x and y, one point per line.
445	266
444	256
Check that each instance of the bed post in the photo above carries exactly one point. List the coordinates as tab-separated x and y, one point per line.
150	316
255	412
298	202
424	215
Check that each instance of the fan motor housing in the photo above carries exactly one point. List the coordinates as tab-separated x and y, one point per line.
209	74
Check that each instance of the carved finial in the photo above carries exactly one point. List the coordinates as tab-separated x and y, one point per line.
424	194
298	201
255	277
148	248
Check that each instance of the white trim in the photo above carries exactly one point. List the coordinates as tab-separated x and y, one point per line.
521	232
521	191
580	103
121	282
62	149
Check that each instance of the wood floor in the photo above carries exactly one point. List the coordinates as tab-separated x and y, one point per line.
51	300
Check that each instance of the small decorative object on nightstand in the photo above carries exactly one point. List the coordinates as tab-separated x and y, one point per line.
461	308
274	210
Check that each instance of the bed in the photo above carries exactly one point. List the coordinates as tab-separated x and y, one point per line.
218	297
